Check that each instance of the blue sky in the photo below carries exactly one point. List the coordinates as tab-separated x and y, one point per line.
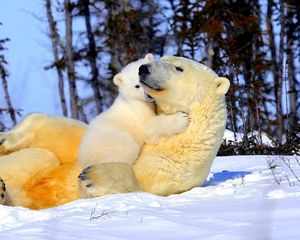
31	87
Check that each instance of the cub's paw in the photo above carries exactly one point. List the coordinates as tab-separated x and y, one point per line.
180	122
2	191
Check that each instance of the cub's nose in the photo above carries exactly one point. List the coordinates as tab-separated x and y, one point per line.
144	70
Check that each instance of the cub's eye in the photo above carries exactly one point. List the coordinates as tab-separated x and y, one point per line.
179	69
137	86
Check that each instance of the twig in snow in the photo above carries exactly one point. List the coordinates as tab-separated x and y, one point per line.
272	166
292	184
287	162
102	215
237	184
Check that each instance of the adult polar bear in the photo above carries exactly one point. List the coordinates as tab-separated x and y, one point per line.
38	161
183	160
40	166
172	166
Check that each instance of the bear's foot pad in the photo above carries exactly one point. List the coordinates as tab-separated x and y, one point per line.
83	177
85	184
107	178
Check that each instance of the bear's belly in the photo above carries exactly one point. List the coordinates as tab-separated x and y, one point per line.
57	188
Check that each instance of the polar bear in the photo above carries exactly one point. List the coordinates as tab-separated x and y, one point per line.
38	157
118	134
180	162
38	162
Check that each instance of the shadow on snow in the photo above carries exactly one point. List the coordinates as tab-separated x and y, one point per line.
220	177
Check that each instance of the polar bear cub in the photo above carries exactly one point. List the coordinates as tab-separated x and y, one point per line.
118	134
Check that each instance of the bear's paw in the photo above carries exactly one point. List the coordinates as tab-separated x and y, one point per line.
2	191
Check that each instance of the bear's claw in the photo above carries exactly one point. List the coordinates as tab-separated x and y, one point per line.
3	141
2	191
83	175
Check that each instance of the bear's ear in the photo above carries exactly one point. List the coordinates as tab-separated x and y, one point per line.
222	85
149	57
118	79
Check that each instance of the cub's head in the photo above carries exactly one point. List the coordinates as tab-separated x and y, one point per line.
176	83
128	80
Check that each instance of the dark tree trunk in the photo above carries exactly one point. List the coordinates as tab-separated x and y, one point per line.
279	83
10	108
291	56
275	68
92	57
55	43
75	103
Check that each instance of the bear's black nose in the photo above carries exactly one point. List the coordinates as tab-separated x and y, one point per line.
144	70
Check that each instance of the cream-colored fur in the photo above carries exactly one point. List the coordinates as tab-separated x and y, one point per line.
39	161
182	161
115	177
118	134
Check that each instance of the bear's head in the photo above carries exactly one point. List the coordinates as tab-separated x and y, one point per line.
176	83
128	80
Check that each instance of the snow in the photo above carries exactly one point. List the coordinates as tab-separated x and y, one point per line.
242	199
238	137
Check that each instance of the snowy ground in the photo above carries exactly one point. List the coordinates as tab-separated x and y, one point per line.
241	200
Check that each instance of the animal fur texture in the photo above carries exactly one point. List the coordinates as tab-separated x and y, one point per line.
38	158
38	161
118	134
182	161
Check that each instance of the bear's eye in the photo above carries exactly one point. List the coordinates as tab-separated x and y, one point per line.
137	86
179	69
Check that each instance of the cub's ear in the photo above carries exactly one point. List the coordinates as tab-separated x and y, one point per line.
149	57
118	79
222	85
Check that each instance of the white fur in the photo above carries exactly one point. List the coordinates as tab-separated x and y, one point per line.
118	134
183	161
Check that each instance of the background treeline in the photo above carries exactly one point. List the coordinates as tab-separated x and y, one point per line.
256	44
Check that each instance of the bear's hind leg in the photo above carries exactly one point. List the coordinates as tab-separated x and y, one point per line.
3	140
22	134
12	141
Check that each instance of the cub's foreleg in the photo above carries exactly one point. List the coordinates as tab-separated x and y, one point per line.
165	126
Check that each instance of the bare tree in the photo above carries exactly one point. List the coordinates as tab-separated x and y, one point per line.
55	39
92	56
3	76
240	44
291	45
278	84
75	103
10	108
274	61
